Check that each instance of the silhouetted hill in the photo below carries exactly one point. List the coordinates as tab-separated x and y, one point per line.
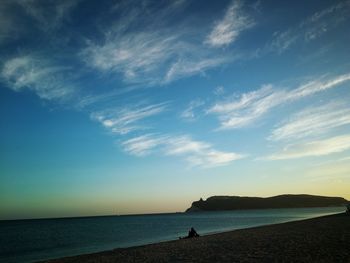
216	203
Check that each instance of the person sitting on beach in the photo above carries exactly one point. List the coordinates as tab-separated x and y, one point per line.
192	233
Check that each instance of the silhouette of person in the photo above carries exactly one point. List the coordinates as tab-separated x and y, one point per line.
192	233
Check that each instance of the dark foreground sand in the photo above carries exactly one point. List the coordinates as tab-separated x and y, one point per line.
323	239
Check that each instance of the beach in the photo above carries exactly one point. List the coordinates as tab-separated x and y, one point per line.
322	239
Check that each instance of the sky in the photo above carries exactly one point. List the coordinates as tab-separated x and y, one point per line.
124	107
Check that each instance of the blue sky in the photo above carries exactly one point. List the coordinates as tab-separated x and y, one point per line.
144	106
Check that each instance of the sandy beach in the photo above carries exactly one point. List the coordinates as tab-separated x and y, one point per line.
322	239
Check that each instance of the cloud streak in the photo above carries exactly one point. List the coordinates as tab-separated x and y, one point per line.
48	81
50	15
311	28
227	30
127	119
242	112
314	148
196	153
133	55
155	55
313	121
150	57
143	145
189	114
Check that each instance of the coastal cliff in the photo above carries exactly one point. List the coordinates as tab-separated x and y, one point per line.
216	203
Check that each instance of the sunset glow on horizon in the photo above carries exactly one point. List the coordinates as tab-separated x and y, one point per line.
129	107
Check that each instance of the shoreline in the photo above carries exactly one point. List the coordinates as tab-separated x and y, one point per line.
320	239
155	214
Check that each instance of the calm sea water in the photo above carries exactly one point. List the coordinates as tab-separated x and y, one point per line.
33	240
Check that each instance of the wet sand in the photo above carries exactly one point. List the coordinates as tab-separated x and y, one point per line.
322	239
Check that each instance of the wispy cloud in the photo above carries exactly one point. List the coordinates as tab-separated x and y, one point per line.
196	153
199	153
313	121
186	67
189	113
132	55
281	41
316	86
332	161
325	20
311	28
143	145
18	18
228	29
154	55
314	148
126	119
251	106
219	90
49	15
150	57
48	81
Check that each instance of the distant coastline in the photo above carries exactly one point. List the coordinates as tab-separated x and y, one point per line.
217	203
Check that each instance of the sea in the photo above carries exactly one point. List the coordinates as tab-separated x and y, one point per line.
42	239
